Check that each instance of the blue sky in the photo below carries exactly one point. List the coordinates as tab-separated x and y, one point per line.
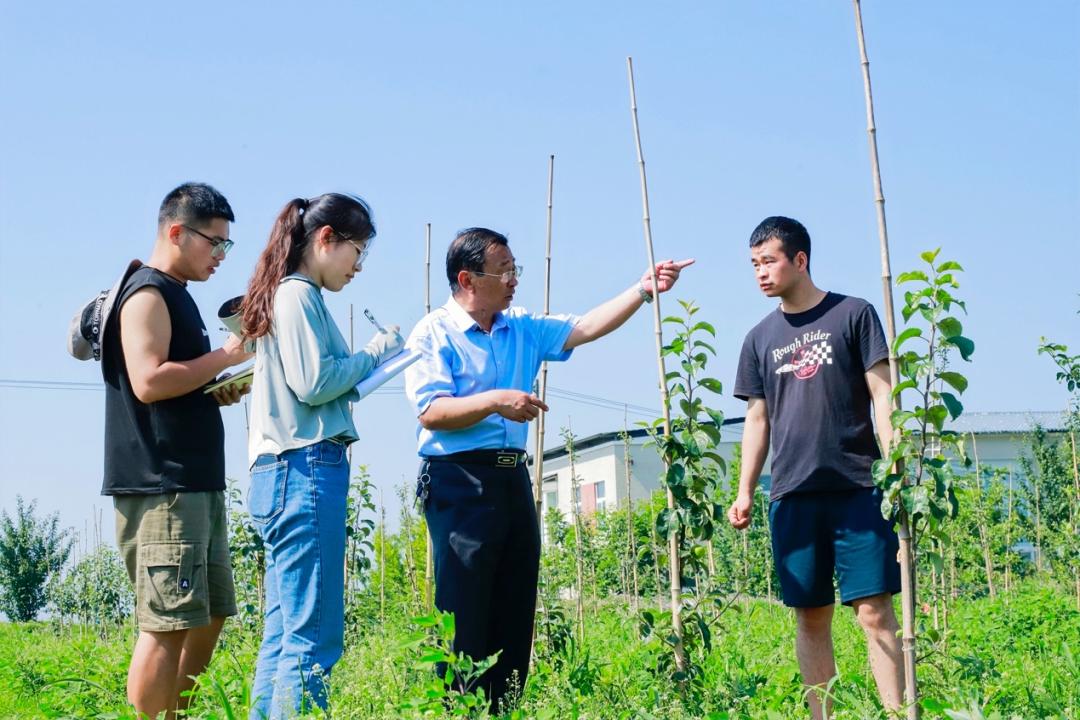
446	113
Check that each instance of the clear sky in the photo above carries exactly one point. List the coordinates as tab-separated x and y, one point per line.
446	113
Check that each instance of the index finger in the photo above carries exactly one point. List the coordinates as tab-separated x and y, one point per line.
685	263
534	400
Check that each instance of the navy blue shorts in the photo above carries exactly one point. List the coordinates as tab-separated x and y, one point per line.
815	534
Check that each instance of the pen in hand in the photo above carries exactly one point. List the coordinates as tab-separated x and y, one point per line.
373	321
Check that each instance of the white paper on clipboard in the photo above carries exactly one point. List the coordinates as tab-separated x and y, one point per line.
385	371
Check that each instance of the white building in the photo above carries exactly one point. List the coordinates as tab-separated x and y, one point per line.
600	464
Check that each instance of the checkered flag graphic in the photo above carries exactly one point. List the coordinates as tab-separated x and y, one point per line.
820	354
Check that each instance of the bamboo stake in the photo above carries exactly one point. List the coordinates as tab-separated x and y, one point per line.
541	425
631	540
1008	538
578	528
904	529
675	578
429	555
984	538
382	561
1075	513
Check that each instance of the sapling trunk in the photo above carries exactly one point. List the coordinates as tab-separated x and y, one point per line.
904	529
382	562
675	578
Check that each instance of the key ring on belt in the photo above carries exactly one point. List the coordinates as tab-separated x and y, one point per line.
423	487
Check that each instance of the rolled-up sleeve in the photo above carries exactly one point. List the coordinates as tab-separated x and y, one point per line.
431	376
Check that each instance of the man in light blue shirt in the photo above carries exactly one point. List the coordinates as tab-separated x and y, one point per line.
471	390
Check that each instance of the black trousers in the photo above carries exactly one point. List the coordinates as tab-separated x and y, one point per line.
487	558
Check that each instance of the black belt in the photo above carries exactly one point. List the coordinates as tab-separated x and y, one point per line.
508	458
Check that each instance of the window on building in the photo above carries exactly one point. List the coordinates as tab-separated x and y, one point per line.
601	495
551	499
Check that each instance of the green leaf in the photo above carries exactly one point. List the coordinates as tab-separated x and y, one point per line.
901	387
707	346
964	345
952	404
955	379
930	255
936	415
712	384
904	337
950	327
911	275
702	325
948	265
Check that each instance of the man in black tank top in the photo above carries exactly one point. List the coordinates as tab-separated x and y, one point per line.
164	450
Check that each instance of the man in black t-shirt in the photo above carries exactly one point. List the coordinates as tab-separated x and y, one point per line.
164	451
809	373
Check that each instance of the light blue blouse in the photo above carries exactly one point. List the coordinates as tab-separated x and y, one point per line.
304	375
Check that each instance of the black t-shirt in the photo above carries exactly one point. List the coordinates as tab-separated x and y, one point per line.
810	368
174	445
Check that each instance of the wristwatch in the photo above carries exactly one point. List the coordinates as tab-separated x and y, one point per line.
646	296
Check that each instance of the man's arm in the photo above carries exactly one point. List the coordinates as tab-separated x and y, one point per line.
144	338
457	413
879	384
755	446
608	316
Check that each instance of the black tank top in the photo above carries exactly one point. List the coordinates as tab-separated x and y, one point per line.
174	445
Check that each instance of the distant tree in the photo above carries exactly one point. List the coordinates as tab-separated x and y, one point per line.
31	551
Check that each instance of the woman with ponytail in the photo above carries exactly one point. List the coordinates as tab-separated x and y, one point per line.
301	424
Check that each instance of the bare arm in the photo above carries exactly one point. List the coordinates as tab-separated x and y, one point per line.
145	336
457	413
755	447
608	316
879	384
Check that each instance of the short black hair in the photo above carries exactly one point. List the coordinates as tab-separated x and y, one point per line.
194	204
468	250
792	235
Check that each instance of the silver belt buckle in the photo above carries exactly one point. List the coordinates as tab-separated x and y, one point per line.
506	459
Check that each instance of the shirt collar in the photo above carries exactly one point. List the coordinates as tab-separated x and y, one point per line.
464	322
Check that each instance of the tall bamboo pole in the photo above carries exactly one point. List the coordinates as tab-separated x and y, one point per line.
1075	513
904	529
673	540
541	425
1008	537
429	557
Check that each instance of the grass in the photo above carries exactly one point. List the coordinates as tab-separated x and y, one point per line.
1006	659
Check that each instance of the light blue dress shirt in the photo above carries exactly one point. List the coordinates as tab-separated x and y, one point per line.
458	359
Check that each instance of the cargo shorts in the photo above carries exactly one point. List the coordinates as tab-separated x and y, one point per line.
176	550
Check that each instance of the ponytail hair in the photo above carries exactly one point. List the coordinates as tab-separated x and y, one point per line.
349	217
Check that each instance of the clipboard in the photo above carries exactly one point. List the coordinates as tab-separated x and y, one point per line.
240	380
388	369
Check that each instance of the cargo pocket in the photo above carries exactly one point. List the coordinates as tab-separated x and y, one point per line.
266	496
173	578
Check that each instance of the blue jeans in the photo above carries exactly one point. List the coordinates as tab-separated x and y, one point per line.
297	501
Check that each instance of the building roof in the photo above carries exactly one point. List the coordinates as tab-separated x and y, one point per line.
980	423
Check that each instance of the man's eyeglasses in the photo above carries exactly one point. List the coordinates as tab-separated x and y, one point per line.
506	277
219	246
361	252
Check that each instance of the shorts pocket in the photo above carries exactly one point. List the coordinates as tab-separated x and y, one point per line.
266	496
173	577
